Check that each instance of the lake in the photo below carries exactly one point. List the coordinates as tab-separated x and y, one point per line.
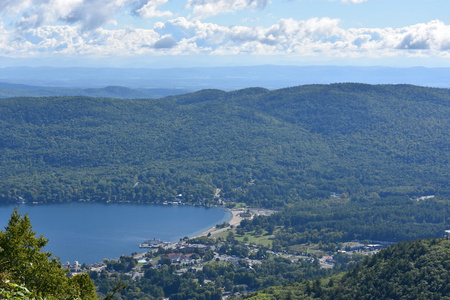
89	232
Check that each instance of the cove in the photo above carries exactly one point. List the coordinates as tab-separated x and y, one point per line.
90	232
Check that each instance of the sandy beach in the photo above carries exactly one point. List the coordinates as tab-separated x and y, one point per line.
236	220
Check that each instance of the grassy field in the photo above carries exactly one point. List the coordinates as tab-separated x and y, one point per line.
249	237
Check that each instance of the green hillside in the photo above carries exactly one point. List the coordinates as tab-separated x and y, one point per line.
260	147
414	270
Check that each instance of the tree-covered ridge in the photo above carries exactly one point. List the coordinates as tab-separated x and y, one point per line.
333	222
409	270
260	147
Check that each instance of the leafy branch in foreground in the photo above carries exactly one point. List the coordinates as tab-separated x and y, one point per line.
119	287
23	263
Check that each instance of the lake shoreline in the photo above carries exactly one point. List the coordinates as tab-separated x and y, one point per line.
90	232
235	221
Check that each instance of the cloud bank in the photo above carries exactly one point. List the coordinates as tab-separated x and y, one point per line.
316	36
77	28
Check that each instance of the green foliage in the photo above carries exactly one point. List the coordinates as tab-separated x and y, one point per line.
124	264
202	240
377	146
22	258
119	287
211	280
329	222
419	269
408	270
156	284
262	148
9	290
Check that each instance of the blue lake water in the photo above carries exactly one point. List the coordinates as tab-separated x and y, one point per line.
89	232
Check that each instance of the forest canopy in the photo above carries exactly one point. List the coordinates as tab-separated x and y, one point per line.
408	270
259	147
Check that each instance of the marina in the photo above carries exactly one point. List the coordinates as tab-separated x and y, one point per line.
154	243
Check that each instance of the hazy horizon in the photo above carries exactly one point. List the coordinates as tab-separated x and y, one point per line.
226	78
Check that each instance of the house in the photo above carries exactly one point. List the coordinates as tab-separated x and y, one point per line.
136	275
175	257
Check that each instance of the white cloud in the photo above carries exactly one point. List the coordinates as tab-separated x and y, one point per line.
314	37
6	47
13	7
353	1
434	35
165	42
317	36
89	14
150	9
208	8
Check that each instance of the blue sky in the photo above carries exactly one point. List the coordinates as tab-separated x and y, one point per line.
172	33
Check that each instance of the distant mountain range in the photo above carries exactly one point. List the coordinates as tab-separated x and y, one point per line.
21	90
155	83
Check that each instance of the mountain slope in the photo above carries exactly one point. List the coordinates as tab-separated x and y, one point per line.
410	270
260	147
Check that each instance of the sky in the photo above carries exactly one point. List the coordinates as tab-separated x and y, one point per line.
184	33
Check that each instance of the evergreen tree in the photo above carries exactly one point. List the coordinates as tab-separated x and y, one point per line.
25	264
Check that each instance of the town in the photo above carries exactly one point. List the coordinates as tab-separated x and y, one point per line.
253	263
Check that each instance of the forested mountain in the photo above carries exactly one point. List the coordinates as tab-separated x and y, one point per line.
261	147
414	270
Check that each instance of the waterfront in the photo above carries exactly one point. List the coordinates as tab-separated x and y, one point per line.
89	232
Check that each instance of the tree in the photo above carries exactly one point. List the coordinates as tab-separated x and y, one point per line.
230	237
9	290
209	255
23	261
